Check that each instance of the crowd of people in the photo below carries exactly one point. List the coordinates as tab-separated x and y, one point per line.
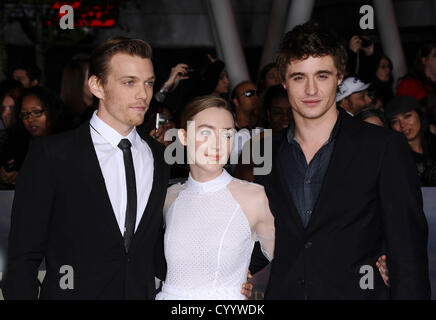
367	92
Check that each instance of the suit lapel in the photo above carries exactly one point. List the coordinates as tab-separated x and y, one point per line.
90	171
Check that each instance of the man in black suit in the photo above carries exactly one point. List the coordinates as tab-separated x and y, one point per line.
90	201
342	191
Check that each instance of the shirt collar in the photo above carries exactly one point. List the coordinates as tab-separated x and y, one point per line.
215	184
110	134
290	135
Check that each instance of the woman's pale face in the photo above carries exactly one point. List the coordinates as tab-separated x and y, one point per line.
407	123
384	70
211	133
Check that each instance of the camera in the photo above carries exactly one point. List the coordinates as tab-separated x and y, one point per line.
366	42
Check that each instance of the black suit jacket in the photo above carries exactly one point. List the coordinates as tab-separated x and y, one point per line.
370	198
62	212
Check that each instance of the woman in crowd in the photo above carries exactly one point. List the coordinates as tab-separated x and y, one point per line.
422	79
405	116
10	92
381	86
213	220
277	108
269	76
214	80
75	91
40	113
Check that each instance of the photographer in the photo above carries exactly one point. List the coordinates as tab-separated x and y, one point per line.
361	58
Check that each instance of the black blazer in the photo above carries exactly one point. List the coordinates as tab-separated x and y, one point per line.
370	199
62	212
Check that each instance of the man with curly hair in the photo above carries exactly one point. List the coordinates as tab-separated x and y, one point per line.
343	192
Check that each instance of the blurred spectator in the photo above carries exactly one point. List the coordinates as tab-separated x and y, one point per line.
269	76
28	75
150	122
214	79
277	108
179	72
75	91
430	110
371	115
40	113
10	91
421	80
246	100
381	84
361	59
353	95
404	115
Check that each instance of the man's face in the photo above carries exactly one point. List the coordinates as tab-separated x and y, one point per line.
311	86
247	99
359	100
21	75
126	95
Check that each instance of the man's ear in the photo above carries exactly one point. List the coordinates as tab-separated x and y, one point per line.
96	87
34	83
340	78
181	133
284	85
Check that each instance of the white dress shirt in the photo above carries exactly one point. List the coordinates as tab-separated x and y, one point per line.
110	158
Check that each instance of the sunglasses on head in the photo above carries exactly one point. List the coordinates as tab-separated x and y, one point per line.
250	93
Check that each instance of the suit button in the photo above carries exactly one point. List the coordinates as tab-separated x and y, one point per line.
308	245
301	282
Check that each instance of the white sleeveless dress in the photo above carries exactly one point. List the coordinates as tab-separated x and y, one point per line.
208	241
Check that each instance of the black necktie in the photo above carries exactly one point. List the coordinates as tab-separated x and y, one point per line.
129	225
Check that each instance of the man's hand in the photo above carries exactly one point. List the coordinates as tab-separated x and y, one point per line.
247	287
383	269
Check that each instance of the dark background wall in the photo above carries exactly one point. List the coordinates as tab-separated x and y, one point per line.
179	31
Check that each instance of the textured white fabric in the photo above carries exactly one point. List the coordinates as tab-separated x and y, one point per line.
209	238
110	158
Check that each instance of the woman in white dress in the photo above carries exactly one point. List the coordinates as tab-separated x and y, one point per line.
213	220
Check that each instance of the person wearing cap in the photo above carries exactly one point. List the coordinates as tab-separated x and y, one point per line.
404	115
352	95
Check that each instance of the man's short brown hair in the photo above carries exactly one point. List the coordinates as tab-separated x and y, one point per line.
101	55
310	40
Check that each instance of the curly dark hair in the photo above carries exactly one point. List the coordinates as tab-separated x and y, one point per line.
307	40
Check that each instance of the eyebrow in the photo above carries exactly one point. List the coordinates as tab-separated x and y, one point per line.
136	78
302	73
212	127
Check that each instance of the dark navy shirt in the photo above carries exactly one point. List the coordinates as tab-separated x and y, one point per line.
304	180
